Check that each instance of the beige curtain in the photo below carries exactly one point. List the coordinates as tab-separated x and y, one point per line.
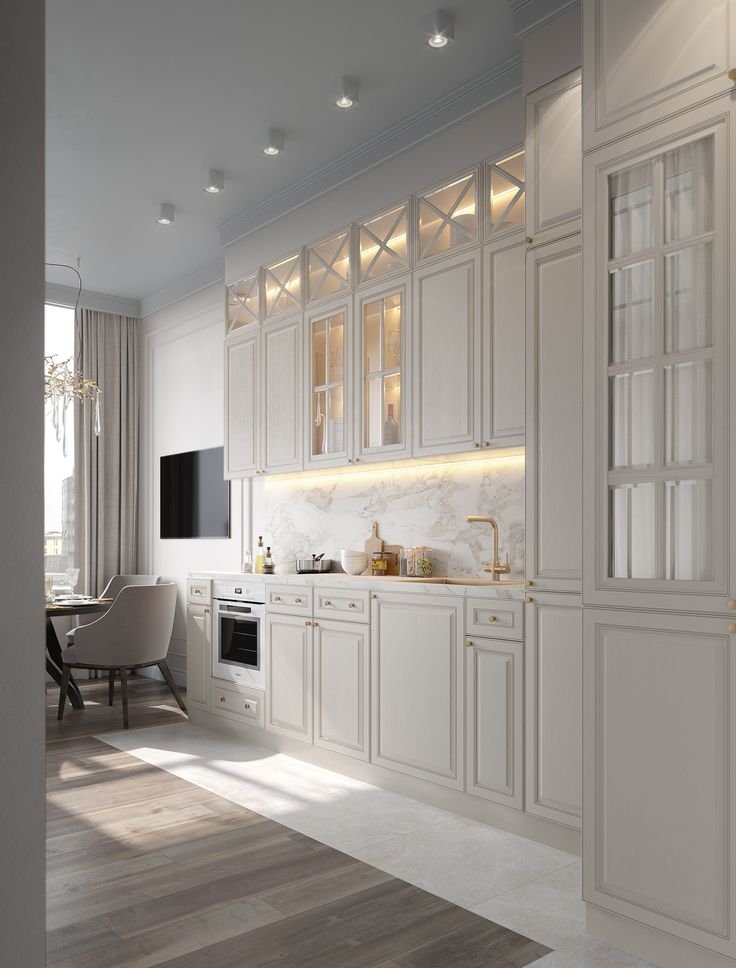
106	467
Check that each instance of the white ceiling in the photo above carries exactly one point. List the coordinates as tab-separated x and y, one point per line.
144	96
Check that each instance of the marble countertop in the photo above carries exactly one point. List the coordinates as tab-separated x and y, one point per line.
459	587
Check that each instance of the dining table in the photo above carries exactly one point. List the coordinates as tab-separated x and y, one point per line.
54	662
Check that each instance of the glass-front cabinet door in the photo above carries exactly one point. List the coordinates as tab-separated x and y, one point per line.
244	302
282	286
383	243
382	429
328	267
506	188
661	390
447	216
327	378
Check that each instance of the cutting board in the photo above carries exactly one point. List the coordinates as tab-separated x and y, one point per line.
374	543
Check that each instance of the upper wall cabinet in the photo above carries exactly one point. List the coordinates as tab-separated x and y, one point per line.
242	410
506	189
382	420
282	286
244	302
328	267
447	216
645	60
281	441
383	243
328	371
447	328
554	160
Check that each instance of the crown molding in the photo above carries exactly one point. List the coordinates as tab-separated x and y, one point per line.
493	85
101	302
530	14
207	276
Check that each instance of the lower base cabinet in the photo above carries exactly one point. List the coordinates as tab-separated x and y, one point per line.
289	676
554	716
341	671
660	733
495	720
199	655
417	680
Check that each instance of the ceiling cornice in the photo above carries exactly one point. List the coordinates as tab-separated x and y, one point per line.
497	83
530	14
195	282
58	295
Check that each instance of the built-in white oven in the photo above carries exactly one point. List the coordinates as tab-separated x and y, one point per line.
239	612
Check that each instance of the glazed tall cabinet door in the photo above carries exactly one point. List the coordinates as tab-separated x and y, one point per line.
447	355
646	60
242	407
282	396
554	415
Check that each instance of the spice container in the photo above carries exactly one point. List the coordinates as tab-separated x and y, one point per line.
379	563
423	562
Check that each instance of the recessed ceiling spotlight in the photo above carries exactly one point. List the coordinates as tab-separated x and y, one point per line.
439	29
275	143
215	182
346	92
166	215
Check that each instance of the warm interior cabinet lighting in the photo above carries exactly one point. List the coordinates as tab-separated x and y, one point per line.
243	302
283	285
383	243
448	216
328	266
506	192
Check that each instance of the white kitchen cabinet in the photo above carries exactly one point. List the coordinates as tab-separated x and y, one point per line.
328	403
341	672
659	776
289	676
281	390
447	356
554	415
494	718
503	399
506	193
242	404
243	303
417	686
554	670
328	265
554	160
646	60
199	655
447	216
382	243
382	396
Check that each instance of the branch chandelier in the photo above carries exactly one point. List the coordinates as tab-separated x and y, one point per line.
63	379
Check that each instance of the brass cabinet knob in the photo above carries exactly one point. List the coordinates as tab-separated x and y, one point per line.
476	444
246	705
732	74
732	603
492	618
206	611
373	595
528	240
357	460
315	624
469	644
529	600
276	598
351	604
732	629
328	604
298	601
222	699
486	443
307	623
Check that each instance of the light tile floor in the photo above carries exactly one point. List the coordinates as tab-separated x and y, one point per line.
526	886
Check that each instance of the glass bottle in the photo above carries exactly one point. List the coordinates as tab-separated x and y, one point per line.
260	560
247	563
390	428
268	566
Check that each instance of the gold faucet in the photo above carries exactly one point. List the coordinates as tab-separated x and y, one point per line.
495	566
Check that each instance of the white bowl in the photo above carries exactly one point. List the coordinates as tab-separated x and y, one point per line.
354	562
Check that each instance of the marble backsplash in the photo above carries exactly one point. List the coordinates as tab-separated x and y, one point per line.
413	505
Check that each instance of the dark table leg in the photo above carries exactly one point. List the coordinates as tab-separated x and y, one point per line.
55	665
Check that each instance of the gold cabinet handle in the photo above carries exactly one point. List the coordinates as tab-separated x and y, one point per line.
276	598
492	618
307	623
476	444
486	443
206	611
298	601
528	240
315	624
732	603
351	604
327	604
732	629
469	644
529	600
222	699
732	74
373	595
246	705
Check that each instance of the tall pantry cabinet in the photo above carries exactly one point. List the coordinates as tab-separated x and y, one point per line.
659	464
553	679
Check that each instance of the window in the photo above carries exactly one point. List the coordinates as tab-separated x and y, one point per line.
59	469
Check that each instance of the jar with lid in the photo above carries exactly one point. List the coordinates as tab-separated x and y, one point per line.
379	563
423	564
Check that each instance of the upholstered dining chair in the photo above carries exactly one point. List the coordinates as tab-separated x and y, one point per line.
133	633
118	582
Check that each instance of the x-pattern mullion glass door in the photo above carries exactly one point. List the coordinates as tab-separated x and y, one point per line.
506	188
383	244
282	284
665	332
328	357
329	266
243	303
447	216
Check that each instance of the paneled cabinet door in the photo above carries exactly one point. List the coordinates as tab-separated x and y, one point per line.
282	396
554	415
242	409
646	61
289	676
341	669
659	825
554	160
199	655
328	400
554	669
494	714
447	358
503	343
417	681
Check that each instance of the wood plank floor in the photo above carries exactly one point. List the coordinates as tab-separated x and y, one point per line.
146	869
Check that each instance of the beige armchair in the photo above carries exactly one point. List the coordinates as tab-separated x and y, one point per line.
133	633
118	582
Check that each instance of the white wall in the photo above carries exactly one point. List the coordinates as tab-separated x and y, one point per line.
22	802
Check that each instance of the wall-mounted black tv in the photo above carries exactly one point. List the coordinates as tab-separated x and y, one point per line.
195	500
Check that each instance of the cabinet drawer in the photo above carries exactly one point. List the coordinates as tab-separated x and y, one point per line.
246	705
199	591
342	604
289	600
499	619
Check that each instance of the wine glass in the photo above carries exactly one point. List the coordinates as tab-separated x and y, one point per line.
72	577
